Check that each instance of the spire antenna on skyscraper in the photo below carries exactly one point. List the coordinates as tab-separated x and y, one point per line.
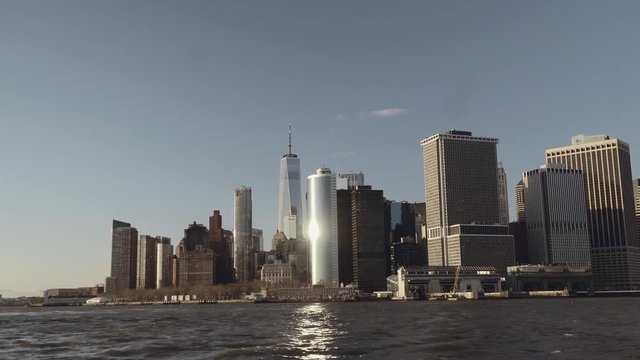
289	137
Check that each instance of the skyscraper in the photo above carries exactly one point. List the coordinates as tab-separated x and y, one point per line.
368	239
323	227
243	247
222	250
147	262
124	256
290	197
196	261
606	165
362	250
557	227
520	201
345	240
636	192
257	236
503	196
164	258
461	196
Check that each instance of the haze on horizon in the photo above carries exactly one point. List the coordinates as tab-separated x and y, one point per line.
152	112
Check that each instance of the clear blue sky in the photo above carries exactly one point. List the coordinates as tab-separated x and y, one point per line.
152	112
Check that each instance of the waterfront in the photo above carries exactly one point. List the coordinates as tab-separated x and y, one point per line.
526	328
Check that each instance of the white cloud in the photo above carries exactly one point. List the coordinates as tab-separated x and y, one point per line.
388	113
340	117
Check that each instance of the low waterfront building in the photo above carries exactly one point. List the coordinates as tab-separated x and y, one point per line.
277	275
317	292
73	296
532	278
414	283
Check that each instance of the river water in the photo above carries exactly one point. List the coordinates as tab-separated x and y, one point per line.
594	328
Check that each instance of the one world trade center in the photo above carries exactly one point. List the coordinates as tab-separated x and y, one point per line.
290	197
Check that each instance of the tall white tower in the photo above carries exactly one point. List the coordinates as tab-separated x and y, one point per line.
290	198
323	227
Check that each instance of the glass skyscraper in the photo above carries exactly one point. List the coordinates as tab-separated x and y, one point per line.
323	227
290	199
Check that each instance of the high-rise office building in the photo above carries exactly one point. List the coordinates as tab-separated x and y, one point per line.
520	201
290	196
461	196
124	257
368	239
400	222
636	194
196	236
557	226
147	262
216	233
196	260
520	243
323	227
503	196
408	252
197	268
164	262
243	251
345	240
222	250
230	242
606	165
362	238
257	236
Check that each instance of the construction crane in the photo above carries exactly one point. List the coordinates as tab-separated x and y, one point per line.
454	290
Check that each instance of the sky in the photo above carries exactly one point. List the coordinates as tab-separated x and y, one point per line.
153	112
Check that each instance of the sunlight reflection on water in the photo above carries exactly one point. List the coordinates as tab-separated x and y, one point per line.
315	331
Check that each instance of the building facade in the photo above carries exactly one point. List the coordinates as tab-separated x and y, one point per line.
461	187
350	180
221	248
556	216
520	208
290	218
636	193
422	282
408	252
532	278
368	239
323	227
164	262
147	262
277	275
481	245
196	268
503	196
257	237
606	166
243	251
345	240
124	257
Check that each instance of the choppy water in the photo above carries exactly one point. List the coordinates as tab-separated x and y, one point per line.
592	328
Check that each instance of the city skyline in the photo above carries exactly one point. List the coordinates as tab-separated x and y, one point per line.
157	124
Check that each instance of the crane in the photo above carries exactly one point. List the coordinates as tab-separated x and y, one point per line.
454	290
